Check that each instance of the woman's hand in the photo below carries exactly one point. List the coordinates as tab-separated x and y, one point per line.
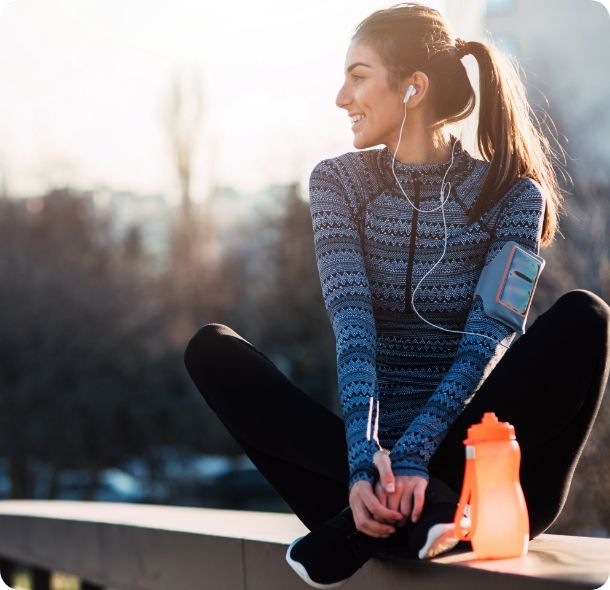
397	492
370	515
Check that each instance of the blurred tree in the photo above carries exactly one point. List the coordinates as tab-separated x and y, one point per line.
183	118
190	279
84	379
296	331
133	246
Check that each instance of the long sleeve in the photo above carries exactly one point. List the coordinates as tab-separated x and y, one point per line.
520	219
347	298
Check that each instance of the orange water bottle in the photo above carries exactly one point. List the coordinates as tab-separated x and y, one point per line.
496	520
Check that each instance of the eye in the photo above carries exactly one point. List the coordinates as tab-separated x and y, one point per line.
355	77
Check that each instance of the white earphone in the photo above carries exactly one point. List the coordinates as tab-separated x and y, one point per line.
411	90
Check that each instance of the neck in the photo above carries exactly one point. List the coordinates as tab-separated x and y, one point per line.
420	146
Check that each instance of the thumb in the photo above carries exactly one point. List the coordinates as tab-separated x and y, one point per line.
384	465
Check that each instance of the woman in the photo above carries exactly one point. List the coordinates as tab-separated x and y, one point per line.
401	235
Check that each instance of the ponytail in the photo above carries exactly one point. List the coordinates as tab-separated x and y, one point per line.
508	139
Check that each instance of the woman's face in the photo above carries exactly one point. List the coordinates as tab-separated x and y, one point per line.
366	93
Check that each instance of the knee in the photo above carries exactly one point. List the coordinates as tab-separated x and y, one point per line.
203	341
587	312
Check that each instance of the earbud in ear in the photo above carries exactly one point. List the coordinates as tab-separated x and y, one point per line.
411	90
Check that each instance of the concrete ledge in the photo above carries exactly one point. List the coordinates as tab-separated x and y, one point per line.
151	547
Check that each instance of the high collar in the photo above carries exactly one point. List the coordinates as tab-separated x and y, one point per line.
428	175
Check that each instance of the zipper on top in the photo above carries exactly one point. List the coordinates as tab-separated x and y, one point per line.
409	278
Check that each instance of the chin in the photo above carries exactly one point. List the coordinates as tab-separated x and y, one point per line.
362	143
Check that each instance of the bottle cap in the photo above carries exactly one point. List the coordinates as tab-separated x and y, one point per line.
490	429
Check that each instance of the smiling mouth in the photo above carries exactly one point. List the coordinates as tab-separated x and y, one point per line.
357	122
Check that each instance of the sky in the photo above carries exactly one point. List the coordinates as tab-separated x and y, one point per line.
84	84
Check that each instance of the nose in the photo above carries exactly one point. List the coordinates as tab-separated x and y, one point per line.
342	100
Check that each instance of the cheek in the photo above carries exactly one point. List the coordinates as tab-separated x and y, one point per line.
379	105
367	92
392	114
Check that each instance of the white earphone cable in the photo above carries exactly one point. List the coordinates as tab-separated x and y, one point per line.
444	195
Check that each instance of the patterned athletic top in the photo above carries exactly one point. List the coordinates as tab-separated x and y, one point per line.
372	248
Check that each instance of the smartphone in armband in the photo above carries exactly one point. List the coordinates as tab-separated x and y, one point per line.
506	285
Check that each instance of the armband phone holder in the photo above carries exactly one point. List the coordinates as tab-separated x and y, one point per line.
506	285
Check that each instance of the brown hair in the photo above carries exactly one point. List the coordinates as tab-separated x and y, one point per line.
412	37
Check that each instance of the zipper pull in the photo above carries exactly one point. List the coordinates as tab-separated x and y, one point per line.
368	424
375	436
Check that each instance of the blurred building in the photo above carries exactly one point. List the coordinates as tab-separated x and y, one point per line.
563	47
465	18
149	213
226	213
231	213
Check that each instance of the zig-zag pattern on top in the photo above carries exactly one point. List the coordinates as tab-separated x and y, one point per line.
421	377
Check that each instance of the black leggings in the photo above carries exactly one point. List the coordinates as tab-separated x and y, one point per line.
548	385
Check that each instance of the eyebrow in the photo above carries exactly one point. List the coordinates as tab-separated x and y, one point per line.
358	63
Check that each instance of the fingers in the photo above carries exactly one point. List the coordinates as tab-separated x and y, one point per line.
403	494
379	511
380	493
368	525
412	499
381	496
383	463
405	505
371	516
391	501
419	493
386	485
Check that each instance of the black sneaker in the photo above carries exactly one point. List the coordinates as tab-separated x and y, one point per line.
329	555
434	531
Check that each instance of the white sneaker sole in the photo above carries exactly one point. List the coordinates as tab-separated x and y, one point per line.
441	537
299	568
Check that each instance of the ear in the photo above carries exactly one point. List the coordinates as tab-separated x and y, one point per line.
421	82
